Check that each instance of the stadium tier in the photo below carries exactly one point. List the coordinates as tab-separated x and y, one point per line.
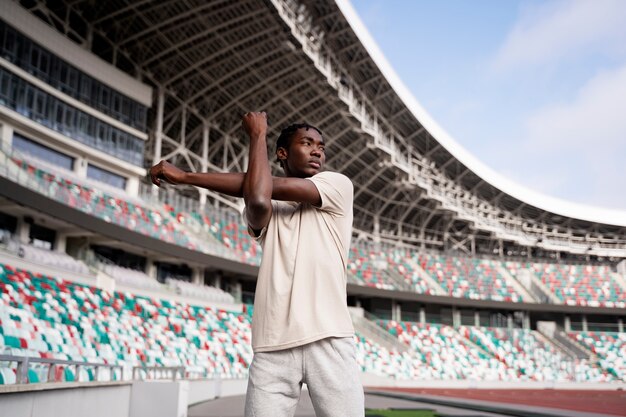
221	232
581	284
531	355
469	278
575	284
365	265
49	317
609	347
480	353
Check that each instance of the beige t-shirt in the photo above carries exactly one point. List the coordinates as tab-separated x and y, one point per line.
301	287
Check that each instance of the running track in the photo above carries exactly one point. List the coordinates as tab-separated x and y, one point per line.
605	402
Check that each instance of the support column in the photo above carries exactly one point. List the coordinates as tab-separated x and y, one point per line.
422	315
376	229
60	242
80	167
22	230
236	292
526	324
585	326
509	321
197	275
620	325
132	186
477	318
6	137
567	324
396	311
205	160
151	268
158	131
456	317
217	280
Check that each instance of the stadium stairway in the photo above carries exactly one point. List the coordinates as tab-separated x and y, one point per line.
540	289
620	280
551	333
373	332
397	280
581	351
526	296
432	283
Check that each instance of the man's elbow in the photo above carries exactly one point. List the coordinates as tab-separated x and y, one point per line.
258	208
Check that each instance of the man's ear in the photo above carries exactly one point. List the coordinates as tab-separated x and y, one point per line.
281	154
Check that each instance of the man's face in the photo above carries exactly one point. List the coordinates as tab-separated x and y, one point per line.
305	156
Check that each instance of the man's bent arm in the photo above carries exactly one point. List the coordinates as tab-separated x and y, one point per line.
231	183
257	182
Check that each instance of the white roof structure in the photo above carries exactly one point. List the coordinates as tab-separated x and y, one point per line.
545	202
313	60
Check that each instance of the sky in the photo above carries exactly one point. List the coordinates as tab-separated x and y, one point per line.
536	90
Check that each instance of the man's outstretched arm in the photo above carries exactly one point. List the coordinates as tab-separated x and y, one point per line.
257	182
231	183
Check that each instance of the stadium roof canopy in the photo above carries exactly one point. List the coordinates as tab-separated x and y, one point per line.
211	61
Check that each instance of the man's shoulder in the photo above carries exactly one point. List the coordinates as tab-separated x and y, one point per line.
331	176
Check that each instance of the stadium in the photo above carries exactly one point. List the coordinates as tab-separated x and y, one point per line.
469	294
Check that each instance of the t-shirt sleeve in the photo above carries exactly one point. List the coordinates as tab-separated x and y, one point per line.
336	191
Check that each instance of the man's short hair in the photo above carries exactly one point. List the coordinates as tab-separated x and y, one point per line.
284	139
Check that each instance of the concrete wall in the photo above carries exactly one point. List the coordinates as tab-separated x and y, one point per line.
207	389
112	399
94	400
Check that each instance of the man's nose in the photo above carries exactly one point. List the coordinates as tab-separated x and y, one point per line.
316	152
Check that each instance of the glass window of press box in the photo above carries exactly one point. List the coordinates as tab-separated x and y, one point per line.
33	58
34	103
105	176
39	151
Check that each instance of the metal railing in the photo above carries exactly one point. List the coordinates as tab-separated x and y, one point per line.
24	362
158	372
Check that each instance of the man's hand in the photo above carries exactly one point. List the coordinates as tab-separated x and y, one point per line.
164	171
255	124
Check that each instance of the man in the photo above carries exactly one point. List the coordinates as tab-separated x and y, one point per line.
301	327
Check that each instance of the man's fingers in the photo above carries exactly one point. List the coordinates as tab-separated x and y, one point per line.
154	177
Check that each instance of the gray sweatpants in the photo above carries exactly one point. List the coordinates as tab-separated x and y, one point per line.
327	366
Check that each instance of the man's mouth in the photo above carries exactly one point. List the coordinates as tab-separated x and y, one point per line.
315	164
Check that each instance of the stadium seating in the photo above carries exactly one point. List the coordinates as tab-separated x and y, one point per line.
221	232
575	284
366	265
581	284
446	353
109	208
375	359
162	222
189	289
52	258
131	277
610	348
48	317
227	227
398	260
532	358
478	279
